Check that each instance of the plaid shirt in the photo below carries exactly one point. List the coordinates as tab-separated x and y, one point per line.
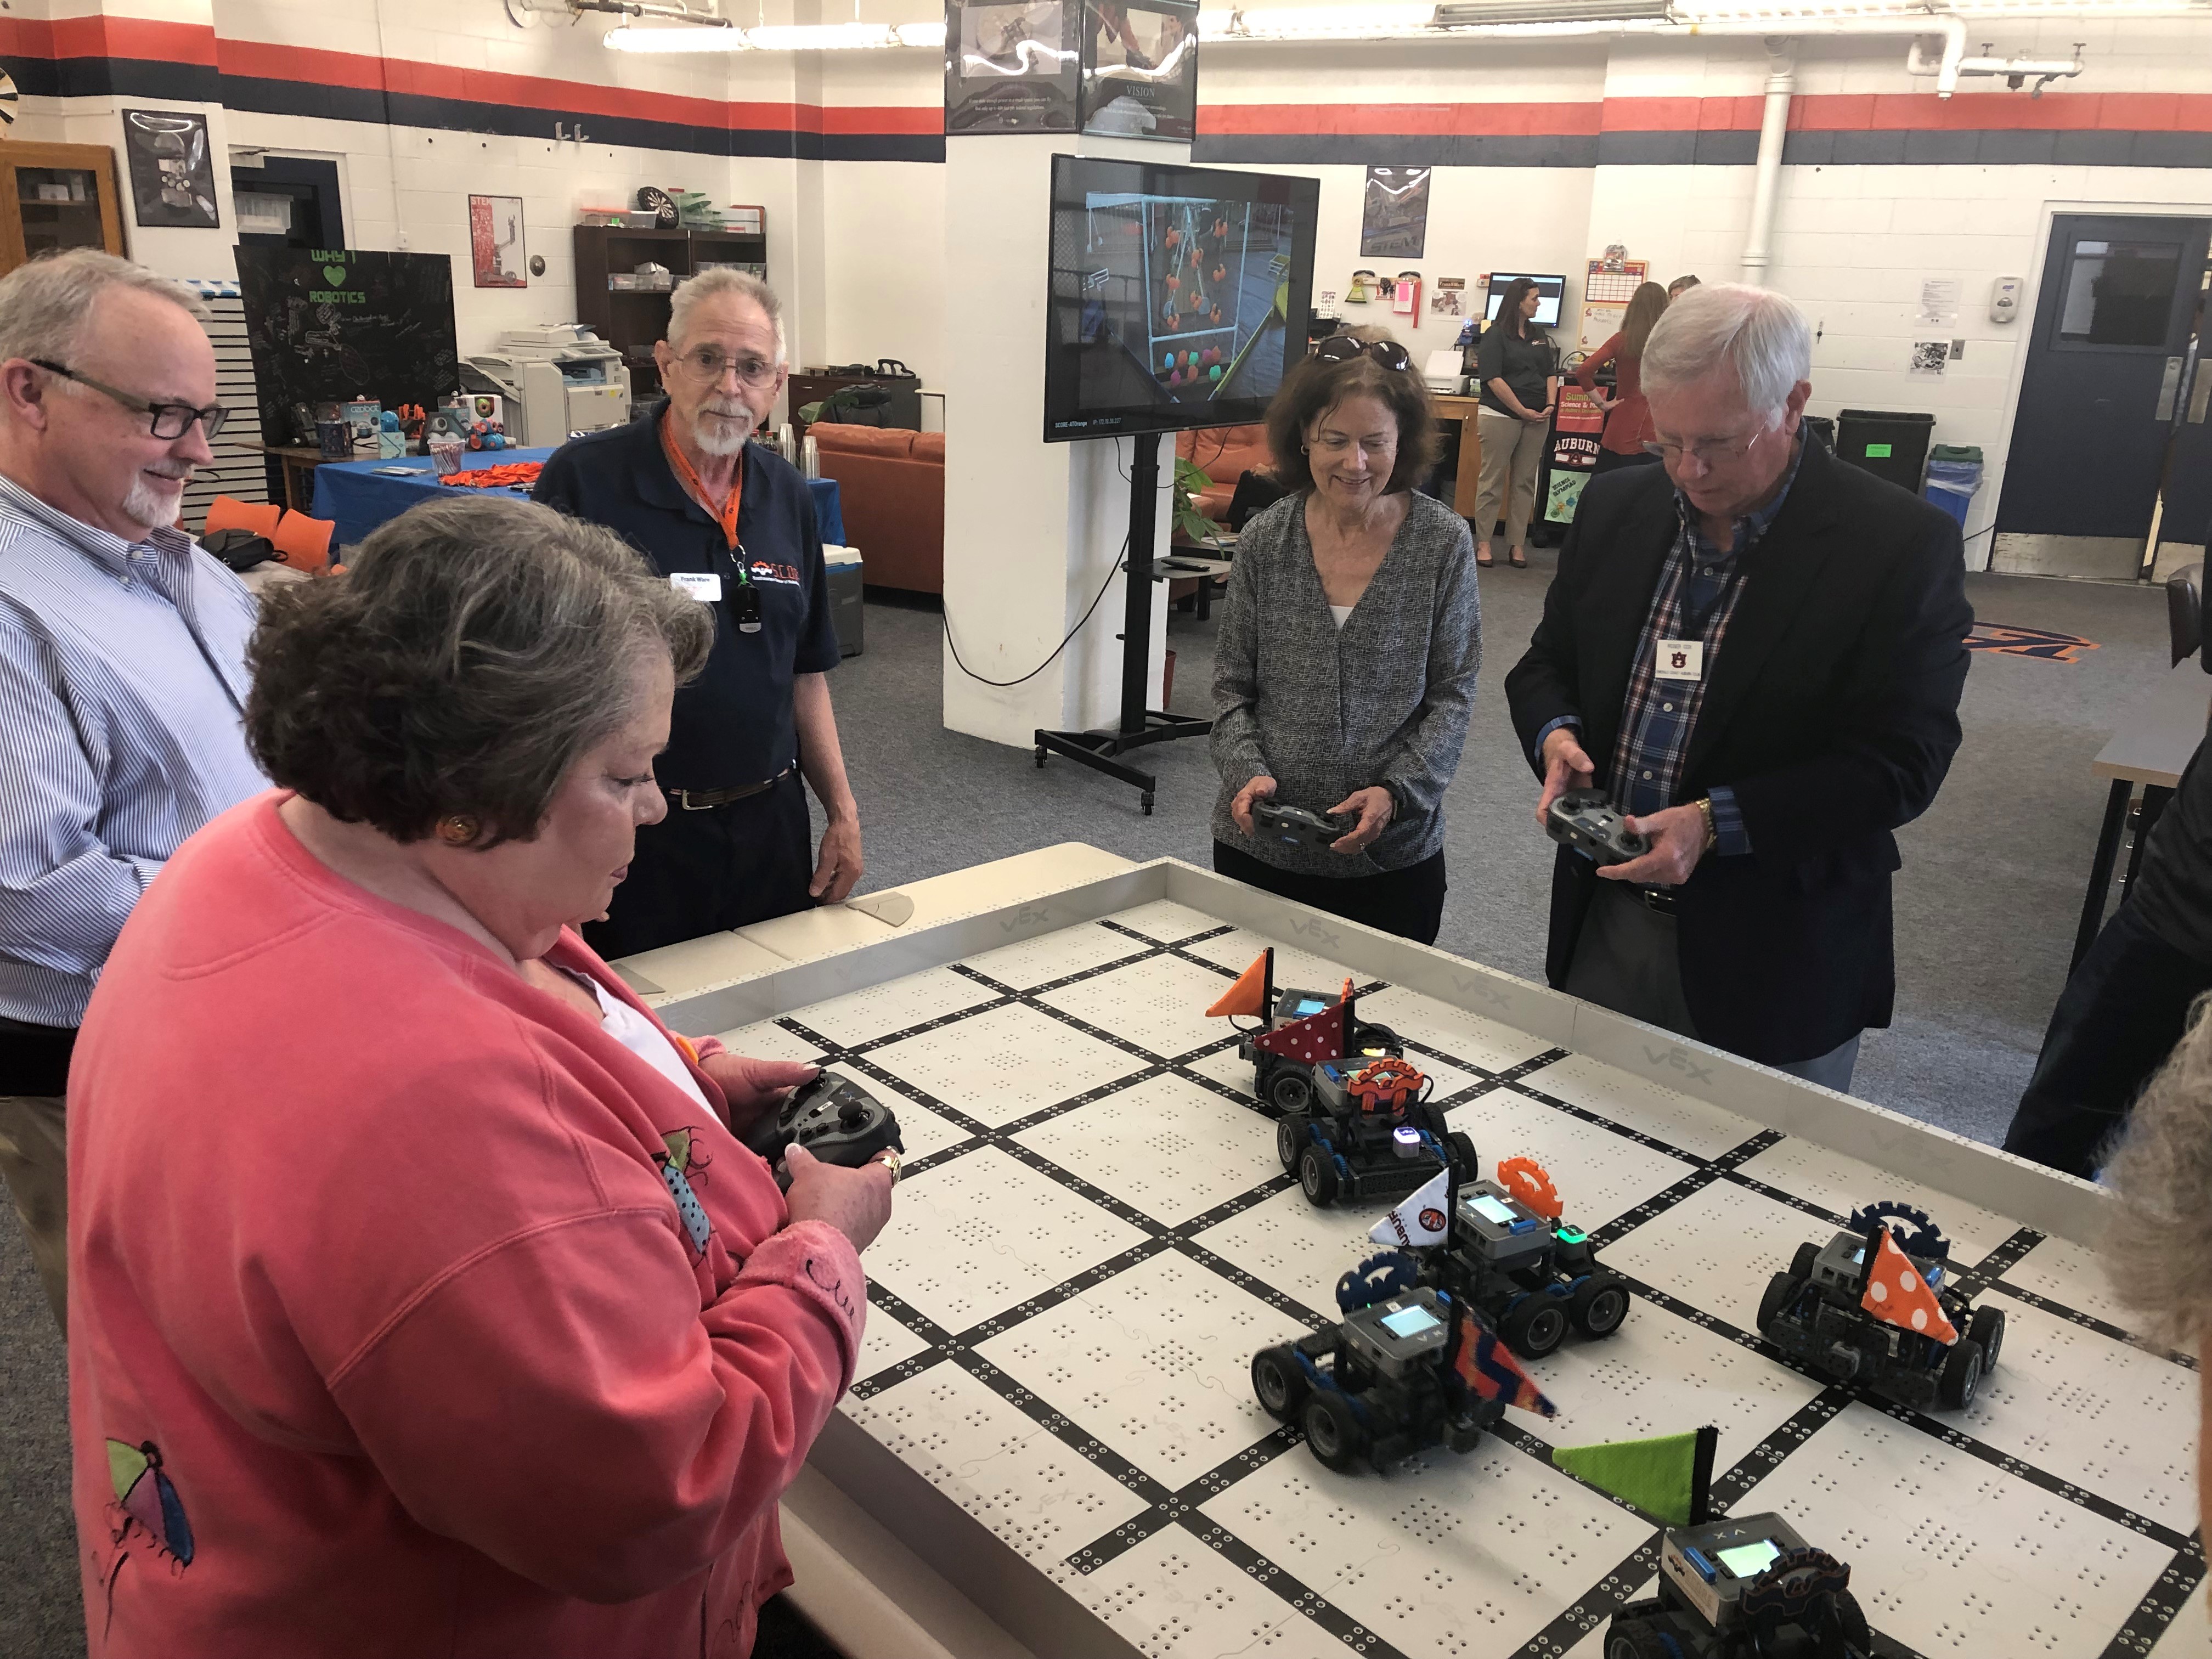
1699	588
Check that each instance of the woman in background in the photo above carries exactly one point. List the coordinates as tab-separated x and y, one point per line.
1520	375
1627	417
1344	673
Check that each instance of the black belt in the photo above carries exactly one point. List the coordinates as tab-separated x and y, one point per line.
701	801
1658	899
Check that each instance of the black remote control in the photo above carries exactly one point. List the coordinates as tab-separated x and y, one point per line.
1294	826
1584	819
834	1118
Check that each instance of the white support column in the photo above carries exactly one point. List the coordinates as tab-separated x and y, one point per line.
1033	532
1766	186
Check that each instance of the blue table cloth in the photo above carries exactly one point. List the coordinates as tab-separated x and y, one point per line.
359	496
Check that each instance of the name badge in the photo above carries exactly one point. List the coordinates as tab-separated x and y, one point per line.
705	589
1680	659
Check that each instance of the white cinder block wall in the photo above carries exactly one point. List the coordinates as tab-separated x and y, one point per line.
1545	152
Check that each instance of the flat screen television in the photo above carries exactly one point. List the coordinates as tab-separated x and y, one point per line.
1178	295
1550	292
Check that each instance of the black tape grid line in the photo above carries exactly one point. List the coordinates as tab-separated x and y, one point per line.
1164	1507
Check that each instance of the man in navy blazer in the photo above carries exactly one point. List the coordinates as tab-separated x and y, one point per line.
1757	651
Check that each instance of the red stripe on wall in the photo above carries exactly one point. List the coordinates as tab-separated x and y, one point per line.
132	37
924	120
1540	121
2119	112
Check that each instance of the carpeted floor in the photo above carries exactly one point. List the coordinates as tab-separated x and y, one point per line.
1986	907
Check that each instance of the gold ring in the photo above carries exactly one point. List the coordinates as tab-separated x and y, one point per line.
890	1159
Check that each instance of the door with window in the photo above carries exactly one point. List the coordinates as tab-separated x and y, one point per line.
2111	412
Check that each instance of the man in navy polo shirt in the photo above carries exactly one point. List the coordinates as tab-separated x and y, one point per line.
732	524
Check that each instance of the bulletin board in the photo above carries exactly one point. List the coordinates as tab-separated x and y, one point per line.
330	325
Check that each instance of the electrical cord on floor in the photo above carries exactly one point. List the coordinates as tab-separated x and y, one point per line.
1119	558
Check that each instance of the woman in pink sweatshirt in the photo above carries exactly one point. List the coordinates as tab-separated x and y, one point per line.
423	1301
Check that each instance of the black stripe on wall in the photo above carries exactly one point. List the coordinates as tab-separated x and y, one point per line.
1468	149
111	78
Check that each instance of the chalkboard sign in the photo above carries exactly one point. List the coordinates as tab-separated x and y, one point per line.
328	325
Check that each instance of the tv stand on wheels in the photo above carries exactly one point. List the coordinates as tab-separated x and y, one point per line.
1101	749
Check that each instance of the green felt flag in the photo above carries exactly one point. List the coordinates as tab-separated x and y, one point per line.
1666	1476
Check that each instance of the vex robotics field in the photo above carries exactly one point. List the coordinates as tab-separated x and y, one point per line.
1346	1321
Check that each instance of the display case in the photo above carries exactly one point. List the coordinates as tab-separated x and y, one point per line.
56	196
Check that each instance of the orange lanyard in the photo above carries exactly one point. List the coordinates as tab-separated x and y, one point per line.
690	475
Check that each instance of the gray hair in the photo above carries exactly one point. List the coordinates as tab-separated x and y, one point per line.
474	649
45	304
2162	1170
722	281
1758	332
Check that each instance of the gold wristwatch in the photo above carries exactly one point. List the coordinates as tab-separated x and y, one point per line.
1713	835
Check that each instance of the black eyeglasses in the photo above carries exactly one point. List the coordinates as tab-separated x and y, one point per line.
1342	348
169	419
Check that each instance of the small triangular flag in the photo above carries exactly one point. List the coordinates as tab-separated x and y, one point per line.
1665	1476
1488	1366
1421	1219
1248	995
1312	1040
1896	1295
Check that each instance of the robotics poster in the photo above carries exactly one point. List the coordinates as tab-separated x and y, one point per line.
1011	65
1394	217
1140	69
171	178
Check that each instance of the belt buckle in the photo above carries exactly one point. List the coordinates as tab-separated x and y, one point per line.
1660	900
683	800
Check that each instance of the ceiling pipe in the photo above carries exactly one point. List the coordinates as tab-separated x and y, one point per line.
1767	182
2014	70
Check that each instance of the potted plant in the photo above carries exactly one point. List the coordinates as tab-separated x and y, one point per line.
1190	524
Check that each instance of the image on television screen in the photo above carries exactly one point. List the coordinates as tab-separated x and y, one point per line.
1176	304
1550	292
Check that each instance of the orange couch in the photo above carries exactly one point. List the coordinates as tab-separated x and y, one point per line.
1225	455
891	487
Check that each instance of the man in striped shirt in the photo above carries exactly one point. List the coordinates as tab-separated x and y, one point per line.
122	666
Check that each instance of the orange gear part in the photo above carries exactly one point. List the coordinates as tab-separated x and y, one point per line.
1527	1180
1385	1084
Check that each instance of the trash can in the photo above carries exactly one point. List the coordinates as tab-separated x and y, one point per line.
848	609
1887	443
1955	473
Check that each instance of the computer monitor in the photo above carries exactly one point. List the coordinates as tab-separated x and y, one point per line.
1550	292
1173	294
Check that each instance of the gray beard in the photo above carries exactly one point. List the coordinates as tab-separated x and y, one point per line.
721	436
143	504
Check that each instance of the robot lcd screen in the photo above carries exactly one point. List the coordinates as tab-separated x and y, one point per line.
1749	1560
1178	295
1491	1209
1309	1006
1410	1321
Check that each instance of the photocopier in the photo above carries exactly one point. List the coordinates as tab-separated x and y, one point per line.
556	379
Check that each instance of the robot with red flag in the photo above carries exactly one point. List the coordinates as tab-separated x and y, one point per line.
1355	1119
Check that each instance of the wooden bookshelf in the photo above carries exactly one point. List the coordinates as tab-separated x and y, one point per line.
633	320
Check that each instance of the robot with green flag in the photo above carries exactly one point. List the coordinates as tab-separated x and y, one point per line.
1728	1589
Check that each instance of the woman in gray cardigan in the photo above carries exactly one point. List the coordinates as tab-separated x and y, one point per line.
1344	670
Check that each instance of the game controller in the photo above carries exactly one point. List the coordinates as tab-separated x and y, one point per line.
1586	820
1294	826
834	1118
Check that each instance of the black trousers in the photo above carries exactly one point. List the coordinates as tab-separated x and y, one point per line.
707	872
1612	460
2119	1018
1409	902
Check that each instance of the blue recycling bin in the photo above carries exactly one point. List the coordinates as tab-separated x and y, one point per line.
1955	473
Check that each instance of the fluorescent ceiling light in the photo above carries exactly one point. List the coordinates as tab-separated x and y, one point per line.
806	37
1478	13
629	38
